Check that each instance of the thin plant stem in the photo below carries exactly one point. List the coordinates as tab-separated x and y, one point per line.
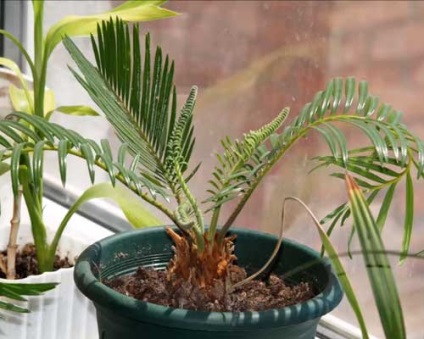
3	261
272	256
14	228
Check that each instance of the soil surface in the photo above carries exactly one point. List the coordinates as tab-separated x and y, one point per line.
152	286
26	262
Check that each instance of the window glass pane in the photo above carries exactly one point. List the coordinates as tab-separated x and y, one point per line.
250	59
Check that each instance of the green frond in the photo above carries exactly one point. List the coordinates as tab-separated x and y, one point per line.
391	151
138	98
58	139
381	277
181	141
17	291
240	162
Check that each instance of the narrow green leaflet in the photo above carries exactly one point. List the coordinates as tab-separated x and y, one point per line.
409	216
378	266
11	290
21	104
133	209
131	11
19	99
338	267
385	206
78	110
14	67
21	48
16	291
12	308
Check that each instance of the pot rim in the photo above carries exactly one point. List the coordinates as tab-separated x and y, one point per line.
106	298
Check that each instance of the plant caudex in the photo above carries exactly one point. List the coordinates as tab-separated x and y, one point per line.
40	103
139	99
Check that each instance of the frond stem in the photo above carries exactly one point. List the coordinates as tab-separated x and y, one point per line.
21	48
199	226
214	224
119	177
40	64
275	158
150	147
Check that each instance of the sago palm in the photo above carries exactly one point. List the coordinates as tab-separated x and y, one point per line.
138	97
139	100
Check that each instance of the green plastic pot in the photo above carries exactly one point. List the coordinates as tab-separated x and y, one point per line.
120	316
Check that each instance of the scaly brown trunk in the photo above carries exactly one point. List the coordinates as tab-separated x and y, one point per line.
201	269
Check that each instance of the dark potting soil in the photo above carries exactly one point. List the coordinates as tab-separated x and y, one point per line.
152	286
27	264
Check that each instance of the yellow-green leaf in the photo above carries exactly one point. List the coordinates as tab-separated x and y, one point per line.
133	209
4	167
77	110
14	68
131	11
49	101
21	104
19	99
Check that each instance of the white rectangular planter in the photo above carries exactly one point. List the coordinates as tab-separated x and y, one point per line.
60	313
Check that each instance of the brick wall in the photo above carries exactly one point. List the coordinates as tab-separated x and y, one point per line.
252	58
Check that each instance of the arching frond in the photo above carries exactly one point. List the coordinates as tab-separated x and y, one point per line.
138	98
240	162
391	153
33	136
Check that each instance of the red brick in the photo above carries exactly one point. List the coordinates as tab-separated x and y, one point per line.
386	74
418	73
347	50
398	42
405	100
416	9
350	16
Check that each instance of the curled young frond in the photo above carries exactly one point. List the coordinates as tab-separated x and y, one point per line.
181	141
240	162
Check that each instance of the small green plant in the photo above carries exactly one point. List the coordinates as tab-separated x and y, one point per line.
138	97
40	103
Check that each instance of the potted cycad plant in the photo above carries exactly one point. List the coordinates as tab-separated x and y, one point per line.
139	100
32	98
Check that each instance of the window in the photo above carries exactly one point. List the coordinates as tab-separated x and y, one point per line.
252	58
